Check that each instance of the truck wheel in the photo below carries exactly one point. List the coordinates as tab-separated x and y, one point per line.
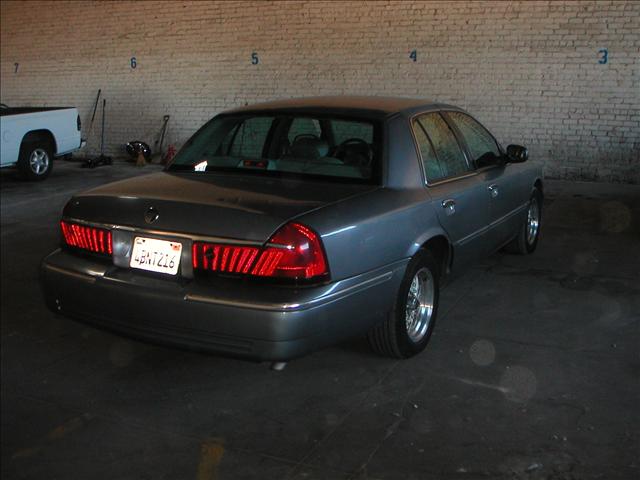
527	239
36	158
408	328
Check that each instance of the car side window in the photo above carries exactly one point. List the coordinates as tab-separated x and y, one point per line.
479	141
451	159
429	160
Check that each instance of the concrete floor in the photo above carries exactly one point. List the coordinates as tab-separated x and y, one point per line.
533	371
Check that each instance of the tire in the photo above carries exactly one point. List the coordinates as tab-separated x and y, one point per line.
398	336
527	239
35	161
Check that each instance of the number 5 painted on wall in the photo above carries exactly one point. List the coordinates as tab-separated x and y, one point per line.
254	59
605	56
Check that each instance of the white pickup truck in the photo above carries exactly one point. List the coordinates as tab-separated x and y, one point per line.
32	136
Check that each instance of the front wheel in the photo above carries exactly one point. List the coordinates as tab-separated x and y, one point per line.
408	328
36	160
527	239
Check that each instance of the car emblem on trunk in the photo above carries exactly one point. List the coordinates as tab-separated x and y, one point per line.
151	215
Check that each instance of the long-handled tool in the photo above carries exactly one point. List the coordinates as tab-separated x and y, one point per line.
157	146
102	159
93	115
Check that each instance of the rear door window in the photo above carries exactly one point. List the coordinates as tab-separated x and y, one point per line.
430	162
450	157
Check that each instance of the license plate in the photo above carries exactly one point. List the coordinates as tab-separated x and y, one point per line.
156	255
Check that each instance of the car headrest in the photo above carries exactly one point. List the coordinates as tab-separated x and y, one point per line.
309	148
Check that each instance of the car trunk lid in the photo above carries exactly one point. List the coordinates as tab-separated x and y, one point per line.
219	205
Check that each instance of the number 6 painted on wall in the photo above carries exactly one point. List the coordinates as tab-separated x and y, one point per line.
605	56
134	62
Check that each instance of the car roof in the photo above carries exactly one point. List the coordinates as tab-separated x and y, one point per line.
358	105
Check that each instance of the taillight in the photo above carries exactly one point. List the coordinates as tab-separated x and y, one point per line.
93	239
294	252
223	258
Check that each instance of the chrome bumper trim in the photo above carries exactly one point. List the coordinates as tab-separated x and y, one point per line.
294	307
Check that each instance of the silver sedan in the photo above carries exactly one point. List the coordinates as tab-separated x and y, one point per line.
284	227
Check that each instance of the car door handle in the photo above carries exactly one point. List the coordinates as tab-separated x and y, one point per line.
493	190
449	206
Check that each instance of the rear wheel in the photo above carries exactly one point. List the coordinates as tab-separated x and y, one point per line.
408	328
36	158
527	239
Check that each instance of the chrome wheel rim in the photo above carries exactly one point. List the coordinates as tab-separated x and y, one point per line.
39	161
419	307
533	221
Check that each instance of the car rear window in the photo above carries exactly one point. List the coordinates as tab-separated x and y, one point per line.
285	144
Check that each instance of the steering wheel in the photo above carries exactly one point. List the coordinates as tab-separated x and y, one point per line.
364	150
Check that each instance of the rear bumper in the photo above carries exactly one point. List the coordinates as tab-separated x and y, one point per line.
224	316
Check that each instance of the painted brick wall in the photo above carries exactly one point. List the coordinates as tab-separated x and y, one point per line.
528	70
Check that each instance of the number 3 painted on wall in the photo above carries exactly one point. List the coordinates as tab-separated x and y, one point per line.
605	56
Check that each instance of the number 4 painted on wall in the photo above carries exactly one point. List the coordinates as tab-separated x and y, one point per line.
414	55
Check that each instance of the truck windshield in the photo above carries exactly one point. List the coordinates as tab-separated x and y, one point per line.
285	144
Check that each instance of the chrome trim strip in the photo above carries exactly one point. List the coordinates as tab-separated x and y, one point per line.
505	217
493	224
472	235
81	276
294	307
165	233
451	179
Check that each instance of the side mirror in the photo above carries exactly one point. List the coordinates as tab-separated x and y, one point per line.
517	153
